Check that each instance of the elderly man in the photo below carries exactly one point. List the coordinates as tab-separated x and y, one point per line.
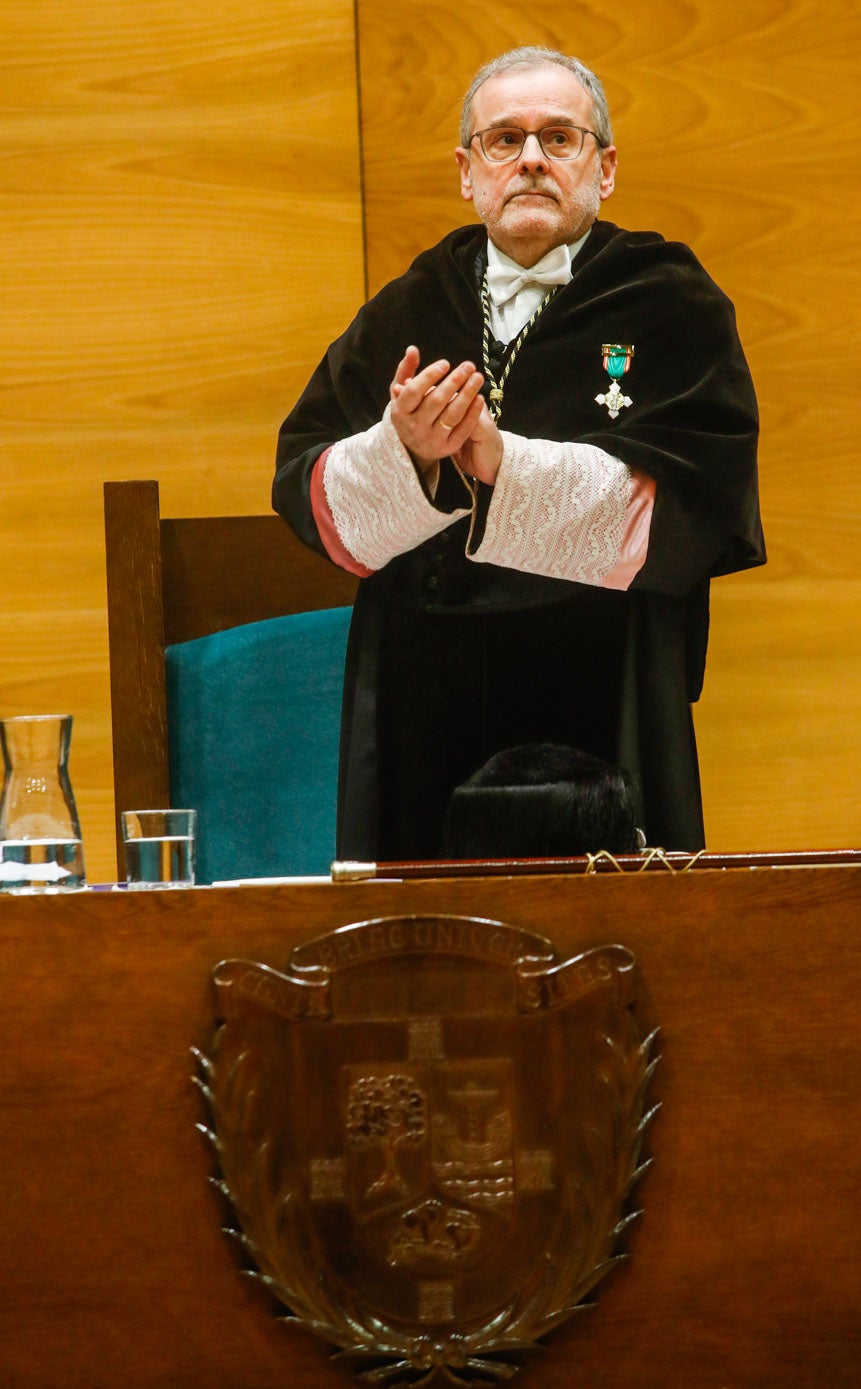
535	448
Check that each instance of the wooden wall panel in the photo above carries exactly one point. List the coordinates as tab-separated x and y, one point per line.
737	132
180	237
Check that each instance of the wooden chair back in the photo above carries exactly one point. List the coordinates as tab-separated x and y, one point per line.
172	580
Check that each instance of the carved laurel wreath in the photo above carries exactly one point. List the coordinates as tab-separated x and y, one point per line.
273	1229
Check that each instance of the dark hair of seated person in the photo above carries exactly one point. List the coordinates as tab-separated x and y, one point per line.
542	800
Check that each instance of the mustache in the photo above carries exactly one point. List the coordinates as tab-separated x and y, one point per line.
532	185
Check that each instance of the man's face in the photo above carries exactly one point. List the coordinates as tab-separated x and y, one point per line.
535	203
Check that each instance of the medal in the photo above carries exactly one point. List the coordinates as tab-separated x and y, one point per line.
616	357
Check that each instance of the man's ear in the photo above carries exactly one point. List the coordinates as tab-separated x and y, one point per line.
608	171
462	157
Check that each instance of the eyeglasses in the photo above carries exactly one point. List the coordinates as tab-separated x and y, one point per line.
503	144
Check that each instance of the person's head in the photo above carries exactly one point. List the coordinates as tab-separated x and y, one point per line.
532	202
542	800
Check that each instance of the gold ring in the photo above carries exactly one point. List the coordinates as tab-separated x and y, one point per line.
447	427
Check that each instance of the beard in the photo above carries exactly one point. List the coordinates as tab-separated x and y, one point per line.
561	215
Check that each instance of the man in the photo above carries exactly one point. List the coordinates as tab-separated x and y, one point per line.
535	448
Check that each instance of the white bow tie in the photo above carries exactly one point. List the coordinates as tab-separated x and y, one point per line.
504	281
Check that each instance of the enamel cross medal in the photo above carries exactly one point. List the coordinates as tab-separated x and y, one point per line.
616	357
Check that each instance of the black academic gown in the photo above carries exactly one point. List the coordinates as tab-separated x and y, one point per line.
450	660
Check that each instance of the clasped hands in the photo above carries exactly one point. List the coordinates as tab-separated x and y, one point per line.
439	413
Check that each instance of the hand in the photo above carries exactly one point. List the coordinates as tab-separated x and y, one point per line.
481	454
435	410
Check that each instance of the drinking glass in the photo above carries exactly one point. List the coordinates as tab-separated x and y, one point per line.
159	847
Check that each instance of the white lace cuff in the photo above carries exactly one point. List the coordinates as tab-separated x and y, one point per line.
560	510
377	502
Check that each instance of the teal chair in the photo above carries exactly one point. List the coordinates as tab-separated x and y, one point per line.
253	719
227	640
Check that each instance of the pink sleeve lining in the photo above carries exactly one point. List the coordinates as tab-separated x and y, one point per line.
635	538
325	523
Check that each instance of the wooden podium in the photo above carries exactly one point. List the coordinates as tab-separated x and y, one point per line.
745	1270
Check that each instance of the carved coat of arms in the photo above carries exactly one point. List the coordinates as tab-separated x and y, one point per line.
428	1129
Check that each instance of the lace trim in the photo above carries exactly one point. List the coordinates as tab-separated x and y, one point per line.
558	509
377	503
325	523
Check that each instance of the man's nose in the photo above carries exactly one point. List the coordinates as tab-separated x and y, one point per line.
532	155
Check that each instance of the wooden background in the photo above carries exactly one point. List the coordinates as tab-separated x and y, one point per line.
195	199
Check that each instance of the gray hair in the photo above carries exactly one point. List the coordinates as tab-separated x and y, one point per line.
534	56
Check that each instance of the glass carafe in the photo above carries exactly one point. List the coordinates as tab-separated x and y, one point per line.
40	836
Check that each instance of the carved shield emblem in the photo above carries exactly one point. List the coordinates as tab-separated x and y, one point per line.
428	1129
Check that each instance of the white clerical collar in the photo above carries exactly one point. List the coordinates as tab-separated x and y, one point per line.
515	291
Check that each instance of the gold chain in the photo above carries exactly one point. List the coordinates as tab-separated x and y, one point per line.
497	388
650	856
